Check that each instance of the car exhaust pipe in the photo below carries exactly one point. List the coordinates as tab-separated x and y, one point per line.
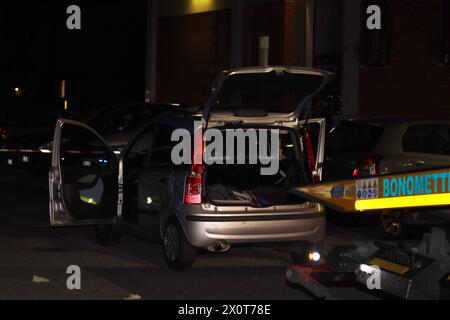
219	247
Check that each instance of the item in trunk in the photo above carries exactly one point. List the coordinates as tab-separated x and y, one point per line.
221	194
258	197
268	196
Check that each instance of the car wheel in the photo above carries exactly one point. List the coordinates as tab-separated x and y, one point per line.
392	225
107	235
178	252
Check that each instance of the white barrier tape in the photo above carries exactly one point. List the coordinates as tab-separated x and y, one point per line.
22	151
47	151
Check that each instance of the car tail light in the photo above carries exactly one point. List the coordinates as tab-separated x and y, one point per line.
194	180
310	155
2	133
368	166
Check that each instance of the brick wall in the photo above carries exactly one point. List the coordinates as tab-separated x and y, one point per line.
415	83
276	20
289	33
192	50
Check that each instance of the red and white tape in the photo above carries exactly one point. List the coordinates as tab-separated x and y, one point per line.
25	151
47	151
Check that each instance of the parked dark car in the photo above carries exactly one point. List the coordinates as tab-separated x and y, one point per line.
26	130
376	146
118	124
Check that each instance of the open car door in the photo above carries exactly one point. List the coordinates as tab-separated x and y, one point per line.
317	131
83	181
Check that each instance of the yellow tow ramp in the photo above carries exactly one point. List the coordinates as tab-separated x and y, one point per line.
418	189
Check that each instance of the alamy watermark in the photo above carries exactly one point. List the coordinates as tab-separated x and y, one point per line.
73	21
228	146
373	274
374	20
73	282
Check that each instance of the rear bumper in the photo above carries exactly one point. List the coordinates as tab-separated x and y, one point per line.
204	230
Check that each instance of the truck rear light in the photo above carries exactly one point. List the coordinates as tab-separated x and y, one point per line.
310	156
368	166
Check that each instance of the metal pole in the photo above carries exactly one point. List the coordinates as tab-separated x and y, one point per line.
237	33
151	50
350	59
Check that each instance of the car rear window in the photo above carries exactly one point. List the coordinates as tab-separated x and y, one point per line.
354	137
430	139
272	92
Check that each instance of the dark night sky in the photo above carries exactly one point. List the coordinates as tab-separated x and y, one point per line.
104	62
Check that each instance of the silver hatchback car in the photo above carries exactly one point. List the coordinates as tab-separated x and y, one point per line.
199	206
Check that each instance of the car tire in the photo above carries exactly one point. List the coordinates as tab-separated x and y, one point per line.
108	235
178	252
391	225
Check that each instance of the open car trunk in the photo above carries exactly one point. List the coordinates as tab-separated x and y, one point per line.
244	185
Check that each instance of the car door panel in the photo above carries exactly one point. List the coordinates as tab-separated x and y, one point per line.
133	163
152	189
424	161
83	177
150	199
153	181
425	145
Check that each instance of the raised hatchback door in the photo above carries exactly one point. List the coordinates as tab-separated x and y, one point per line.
83	178
263	94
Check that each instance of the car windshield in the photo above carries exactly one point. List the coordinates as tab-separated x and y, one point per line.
274	92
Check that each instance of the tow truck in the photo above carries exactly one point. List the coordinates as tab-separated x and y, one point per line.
419	272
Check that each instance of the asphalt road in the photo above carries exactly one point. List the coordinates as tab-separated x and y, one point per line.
30	248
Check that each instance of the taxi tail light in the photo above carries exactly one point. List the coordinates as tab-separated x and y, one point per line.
368	166
310	156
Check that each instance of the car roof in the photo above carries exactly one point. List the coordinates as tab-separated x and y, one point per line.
176	121
151	105
143	106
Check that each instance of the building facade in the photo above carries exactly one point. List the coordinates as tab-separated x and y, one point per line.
170	50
